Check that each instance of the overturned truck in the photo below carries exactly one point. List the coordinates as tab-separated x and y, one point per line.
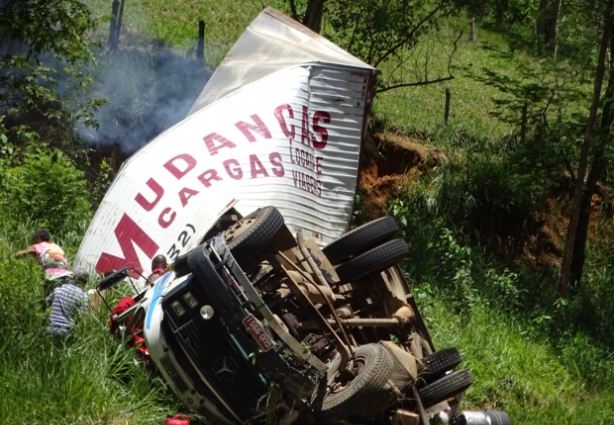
271	312
256	325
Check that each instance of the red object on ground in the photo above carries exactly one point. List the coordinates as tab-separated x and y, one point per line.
179	419
122	306
136	340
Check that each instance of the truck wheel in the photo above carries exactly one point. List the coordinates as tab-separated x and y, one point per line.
346	396
374	260
446	387
250	234
441	361
360	239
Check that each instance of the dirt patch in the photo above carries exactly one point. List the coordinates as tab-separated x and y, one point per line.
398	162
401	154
545	237
546	243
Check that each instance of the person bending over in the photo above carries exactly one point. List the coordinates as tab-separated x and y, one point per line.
68	300
51	258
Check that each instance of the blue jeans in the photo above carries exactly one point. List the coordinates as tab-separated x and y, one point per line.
60	336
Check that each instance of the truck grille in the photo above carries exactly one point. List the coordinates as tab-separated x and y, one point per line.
214	352
223	365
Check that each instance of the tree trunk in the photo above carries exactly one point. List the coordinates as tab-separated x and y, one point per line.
535	37
293	11
313	15
547	19
597	173
586	145
555	28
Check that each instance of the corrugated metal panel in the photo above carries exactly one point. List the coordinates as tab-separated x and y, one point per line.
272	42
291	139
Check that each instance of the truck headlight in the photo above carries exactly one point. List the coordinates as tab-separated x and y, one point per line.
206	312
190	300
177	308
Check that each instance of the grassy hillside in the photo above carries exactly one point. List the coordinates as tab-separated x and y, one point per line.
527	351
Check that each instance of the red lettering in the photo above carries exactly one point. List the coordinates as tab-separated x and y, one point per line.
282	121
185	194
278	166
127	232
307	183
318	165
222	143
233	168
317	128
164	220
305	127
257	167
188	164
206	177
259	128
157	189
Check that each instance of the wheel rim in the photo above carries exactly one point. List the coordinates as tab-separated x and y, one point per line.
342	382
235	231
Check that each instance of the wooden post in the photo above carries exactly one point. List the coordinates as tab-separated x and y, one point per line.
120	15
474	35
446	111
200	50
113	27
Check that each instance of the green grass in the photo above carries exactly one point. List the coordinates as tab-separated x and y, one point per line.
473	110
94	380
176	23
528	378
422	108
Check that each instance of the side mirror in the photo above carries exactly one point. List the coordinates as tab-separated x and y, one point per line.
113	279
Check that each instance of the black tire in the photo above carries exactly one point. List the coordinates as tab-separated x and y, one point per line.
446	387
375	367
441	361
374	260
252	233
361	239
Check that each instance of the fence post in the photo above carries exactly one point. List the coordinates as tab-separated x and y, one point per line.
474	35
200	50
446	111
113	26
120	15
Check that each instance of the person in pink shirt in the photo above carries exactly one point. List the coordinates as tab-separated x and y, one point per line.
51	258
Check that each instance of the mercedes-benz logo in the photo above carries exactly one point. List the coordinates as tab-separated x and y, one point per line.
226	366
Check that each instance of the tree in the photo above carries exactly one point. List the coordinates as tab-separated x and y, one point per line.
383	33
313	14
597	172
576	208
42	46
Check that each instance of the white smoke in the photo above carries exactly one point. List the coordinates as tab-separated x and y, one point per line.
147	92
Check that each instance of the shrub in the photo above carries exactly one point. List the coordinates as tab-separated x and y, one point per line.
44	186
